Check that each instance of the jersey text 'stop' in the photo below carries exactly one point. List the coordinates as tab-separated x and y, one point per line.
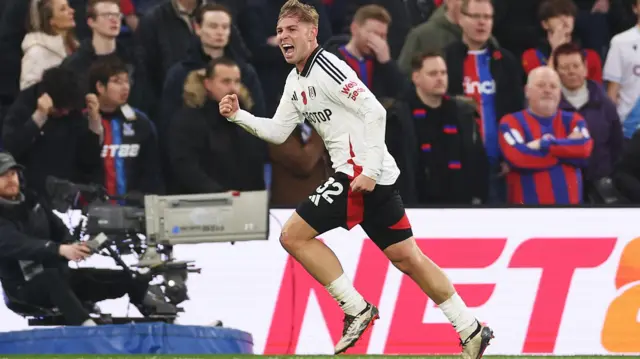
329	95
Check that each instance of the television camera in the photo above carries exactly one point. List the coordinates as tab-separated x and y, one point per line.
149	226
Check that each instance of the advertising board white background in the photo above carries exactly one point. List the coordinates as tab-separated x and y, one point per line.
503	252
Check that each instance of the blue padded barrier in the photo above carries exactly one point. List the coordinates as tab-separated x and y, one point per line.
146	338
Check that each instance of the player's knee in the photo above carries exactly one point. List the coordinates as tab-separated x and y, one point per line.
405	256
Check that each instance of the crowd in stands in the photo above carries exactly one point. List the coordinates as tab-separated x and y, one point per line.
125	93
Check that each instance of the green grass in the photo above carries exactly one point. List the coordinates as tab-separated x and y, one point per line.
294	357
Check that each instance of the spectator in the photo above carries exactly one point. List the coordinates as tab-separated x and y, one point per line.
49	39
131	159
589	99
480	69
163	38
207	153
405	14
544	146
557	18
622	71
367	52
436	141
104	19
437	33
258	25
46	130
213	28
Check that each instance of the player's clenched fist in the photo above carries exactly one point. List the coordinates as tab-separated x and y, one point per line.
363	183
229	106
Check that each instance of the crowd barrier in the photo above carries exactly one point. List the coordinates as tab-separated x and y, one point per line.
549	281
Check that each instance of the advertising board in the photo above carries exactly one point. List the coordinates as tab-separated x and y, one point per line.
548	281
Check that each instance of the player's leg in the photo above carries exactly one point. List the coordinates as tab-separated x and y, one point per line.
391	231
314	216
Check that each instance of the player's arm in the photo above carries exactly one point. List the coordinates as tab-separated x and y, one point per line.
344	87
612	72
516	151
275	130
577	146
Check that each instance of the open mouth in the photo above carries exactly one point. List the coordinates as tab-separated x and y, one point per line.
287	48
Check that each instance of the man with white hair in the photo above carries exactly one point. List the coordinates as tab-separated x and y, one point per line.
544	146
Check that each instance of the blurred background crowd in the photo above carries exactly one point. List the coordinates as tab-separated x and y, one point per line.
124	93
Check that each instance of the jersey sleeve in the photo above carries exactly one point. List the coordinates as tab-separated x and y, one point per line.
613	64
515	150
275	130
342	86
571	148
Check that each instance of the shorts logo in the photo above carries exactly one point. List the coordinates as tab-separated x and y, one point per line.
329	189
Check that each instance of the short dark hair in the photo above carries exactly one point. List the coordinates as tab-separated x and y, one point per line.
63	86
211	67
554	8
103	69
207	7
567	49
91	6
418	59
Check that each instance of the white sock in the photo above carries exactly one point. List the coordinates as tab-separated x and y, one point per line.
89	323
346	295
457	312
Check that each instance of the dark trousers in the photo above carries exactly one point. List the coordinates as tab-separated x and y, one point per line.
67	291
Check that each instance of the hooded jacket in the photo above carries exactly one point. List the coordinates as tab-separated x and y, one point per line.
41	52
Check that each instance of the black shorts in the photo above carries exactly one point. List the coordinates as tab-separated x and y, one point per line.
380	213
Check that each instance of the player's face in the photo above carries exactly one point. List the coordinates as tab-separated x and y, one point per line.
295	39
9	184
431	79
108	19
477	22
117	90
543	92
225	81
369	28
215	29
572	71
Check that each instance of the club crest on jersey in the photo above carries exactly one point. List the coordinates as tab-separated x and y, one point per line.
127	129
312	92
304	97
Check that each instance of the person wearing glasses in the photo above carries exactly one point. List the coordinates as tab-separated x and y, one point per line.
491	76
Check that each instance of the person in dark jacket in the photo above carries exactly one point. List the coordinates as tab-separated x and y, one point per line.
47	131
35	250
436	141
212	25
490	75
105	21
626	175
130	154
589	99
367	52
207	153
162	39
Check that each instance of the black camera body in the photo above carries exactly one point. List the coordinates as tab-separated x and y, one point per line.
117	225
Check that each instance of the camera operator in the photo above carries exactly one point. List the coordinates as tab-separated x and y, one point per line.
34	258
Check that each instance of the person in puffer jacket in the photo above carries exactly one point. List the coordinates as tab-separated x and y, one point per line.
49	39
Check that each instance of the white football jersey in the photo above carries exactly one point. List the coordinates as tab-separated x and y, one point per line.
330	96
622	66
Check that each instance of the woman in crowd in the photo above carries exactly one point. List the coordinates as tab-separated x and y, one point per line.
49	40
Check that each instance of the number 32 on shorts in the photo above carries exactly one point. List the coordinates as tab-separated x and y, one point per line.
327	191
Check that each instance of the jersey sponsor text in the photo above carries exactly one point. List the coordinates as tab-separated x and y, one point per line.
120	151
483	88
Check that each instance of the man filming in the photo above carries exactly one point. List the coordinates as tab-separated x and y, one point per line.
34	258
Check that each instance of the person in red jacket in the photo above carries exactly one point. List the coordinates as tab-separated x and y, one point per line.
558	19
545	147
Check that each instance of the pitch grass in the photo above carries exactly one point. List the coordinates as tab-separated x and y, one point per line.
300	357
